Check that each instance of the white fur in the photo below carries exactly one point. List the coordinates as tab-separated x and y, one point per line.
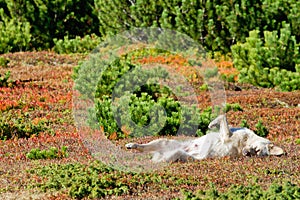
227	142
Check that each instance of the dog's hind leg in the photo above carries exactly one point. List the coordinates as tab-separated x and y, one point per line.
224	129
177	156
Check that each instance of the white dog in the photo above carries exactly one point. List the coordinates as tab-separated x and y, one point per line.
226	142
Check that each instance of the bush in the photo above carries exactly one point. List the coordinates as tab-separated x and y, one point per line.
14	34
215	24
97	181
244	124
235	107
273	61
49	19
129	102
4	62
147	106
77	45
4	80
51	153
260	129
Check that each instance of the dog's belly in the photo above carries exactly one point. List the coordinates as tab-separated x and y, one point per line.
207	146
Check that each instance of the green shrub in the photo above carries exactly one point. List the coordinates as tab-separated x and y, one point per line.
51	19
105	117
51	153
215	24
111	81
273	61
235	107
261	130
14	34
244	124
4	80
148	106
204	87
129	102
4	62
77	45
286	190
204	119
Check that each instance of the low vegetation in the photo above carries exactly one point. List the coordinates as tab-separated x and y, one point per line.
255	46
285	190
53	152
46	155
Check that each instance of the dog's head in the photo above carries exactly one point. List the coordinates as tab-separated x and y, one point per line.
262	148
254	145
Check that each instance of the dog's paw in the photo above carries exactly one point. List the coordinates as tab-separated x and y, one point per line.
131	146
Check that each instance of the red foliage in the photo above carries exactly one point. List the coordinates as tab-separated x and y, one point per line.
171	59
226	68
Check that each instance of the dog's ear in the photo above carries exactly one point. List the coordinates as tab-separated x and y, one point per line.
275	150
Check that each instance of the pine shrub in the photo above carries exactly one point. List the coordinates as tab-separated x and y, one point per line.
272	61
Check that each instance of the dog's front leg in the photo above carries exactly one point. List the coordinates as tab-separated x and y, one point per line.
155	145
149	147
136	146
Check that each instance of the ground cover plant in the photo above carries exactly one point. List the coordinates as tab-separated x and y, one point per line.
275	191
51	153
41	96
255	45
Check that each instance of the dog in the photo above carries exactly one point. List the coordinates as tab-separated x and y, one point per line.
227	141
